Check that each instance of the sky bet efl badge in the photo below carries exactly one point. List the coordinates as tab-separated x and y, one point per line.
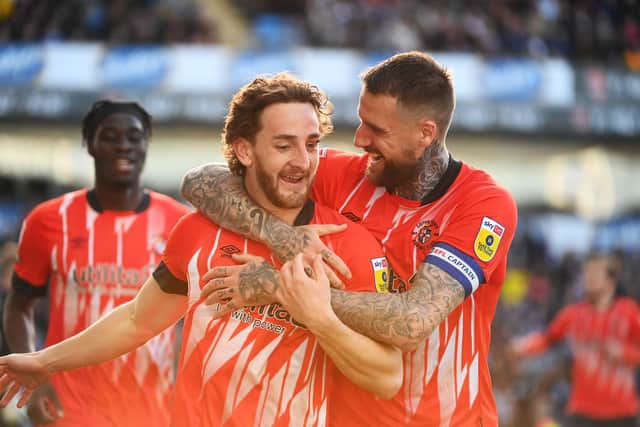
488	239
381	274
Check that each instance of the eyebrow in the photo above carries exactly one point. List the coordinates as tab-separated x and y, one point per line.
288	137
128	129
374	127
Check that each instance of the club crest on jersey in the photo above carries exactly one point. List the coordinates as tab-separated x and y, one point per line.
423	232
381	274
488	239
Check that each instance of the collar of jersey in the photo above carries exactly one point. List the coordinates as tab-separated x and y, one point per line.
92	199
445	182
306	214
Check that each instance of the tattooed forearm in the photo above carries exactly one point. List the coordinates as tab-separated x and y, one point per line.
258	283
221	196
405	319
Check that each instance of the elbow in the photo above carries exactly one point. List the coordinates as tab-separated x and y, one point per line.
411	343
389	384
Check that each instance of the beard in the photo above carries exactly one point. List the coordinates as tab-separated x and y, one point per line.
394	174
269	185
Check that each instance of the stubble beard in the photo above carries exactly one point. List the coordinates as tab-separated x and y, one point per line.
282	201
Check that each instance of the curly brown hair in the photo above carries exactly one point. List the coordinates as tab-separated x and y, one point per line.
243	118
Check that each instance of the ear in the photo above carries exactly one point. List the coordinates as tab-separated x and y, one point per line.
90	148
428	132
244	151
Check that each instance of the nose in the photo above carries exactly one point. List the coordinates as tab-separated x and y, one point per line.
301	158
124	144
361	139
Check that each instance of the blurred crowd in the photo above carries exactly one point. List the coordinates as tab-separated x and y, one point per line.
113	21
534	391
584	30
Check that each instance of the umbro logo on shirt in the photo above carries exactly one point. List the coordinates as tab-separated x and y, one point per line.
351	216
78	242
229	250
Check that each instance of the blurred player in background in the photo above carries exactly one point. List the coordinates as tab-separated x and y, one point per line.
603	332
259	366
92	250
445	227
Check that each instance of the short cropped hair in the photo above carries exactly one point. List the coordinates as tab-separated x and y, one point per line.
243	117
417	81
104	108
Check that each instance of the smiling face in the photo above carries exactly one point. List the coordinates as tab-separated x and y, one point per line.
598	280
394	138
119	148
282	161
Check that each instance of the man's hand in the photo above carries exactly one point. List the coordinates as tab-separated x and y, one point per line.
306	240
306	294
21	372
254	282
43	406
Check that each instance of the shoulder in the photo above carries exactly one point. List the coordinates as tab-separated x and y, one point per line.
195	220
51	207
479	187
326	215
332	156
628	304
167	202
476	192
354	235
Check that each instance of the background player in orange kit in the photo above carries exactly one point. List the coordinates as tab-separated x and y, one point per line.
92	250
603	332
264	365
445	227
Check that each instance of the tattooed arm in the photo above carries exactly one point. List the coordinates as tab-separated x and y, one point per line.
221	197
406	319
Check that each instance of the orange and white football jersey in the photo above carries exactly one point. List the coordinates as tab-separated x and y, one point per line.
92	260
464	226
257	366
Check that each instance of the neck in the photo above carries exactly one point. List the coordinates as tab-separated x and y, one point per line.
259	198
119	198
604	300
427	173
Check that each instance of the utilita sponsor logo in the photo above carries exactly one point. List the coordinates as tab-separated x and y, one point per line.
20	64
134	67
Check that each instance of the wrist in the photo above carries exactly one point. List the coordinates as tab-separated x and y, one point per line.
43	358
325	325
284	241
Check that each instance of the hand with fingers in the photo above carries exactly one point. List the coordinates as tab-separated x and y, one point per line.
306	240
253	282
27	372
306	294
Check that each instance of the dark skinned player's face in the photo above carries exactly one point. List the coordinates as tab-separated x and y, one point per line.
119	149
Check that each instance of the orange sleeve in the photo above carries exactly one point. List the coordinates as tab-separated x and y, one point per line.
363	254
34	252
476	241
180	244
538	342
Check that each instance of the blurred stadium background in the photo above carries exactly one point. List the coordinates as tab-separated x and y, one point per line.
548	101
